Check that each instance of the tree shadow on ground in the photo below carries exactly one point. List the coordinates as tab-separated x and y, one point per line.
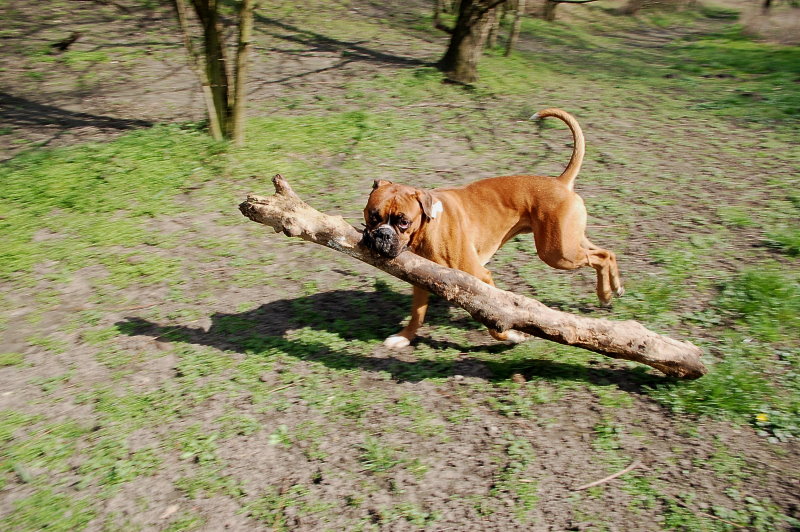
371	316
312	42
18	111
317	42
51	123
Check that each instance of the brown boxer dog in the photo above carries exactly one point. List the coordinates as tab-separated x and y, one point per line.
463	227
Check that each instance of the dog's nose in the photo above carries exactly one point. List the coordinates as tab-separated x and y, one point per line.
384	240
383	232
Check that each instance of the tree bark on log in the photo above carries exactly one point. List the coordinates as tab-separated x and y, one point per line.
286	212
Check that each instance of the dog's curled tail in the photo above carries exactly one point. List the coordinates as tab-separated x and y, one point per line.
567	177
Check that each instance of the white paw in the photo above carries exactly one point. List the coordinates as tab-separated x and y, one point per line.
620	291
397	342
516	337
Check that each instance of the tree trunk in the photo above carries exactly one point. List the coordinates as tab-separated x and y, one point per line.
460	61
225	98
494	30
496	308
632	7
194	62
512	38
437	12
216	67
242	52
549	12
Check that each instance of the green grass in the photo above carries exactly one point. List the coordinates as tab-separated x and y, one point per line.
513	477
185	523
270	508
111	463
766	301
378	457
51	510
754	79
11	359
92	196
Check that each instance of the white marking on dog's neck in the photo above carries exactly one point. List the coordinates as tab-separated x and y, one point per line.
436	209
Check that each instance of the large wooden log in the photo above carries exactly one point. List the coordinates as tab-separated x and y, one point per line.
498	309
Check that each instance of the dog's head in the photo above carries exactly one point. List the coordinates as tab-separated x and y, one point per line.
394	214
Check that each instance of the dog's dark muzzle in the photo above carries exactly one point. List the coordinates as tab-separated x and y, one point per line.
383	240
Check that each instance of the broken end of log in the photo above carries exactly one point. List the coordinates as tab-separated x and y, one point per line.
688	369
677	359
249	208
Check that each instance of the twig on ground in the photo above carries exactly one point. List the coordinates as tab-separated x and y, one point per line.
634	465
137	307
441	104
279	388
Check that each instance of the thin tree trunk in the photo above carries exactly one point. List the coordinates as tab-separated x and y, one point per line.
549	13
496	308
632	7
216	68
194	63
494	30
512	38
242	52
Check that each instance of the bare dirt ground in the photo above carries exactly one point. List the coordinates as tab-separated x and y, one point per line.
142	80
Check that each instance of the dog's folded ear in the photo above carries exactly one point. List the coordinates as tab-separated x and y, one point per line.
379	183
430	206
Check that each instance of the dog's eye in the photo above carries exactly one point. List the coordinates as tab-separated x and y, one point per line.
403	224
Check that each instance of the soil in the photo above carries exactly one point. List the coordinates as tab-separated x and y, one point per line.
40	109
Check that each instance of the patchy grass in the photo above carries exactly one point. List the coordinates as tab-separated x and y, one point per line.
159	350
47	509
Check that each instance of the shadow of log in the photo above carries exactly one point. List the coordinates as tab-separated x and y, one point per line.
371	316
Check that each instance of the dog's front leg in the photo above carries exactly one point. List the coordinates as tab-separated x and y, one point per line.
419	306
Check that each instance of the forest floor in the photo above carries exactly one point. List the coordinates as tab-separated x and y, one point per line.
168	365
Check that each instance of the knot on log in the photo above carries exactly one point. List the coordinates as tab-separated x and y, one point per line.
282	187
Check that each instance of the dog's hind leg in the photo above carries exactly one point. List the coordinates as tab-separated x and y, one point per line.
601	260
606	261
564	246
